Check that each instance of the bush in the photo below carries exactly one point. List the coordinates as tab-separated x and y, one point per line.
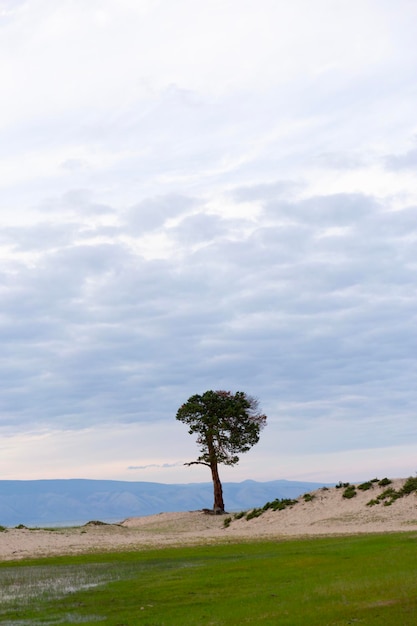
389	496
384	482
365	486
409	486
340	485
373	502
308	497
349	492
387	493
240	515
227	522
254	513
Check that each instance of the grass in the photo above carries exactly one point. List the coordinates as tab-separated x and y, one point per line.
367	579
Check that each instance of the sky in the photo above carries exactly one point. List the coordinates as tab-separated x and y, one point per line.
207	195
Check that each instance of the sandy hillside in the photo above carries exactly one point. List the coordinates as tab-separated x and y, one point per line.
328	513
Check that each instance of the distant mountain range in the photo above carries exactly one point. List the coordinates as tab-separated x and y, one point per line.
77	501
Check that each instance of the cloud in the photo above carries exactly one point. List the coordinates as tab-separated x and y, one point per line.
399	162
198	217
153	466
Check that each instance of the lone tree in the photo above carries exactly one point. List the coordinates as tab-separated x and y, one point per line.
226	424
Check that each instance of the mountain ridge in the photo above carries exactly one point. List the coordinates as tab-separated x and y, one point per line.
49	502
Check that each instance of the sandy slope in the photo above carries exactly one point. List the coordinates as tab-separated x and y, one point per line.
327	514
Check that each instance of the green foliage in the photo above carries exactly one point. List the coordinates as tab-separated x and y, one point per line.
239	515
341	485
2	529
308	497
226	424
387	493
349	492
227	522
279	504
291	583
254	513
365	486
384	482
390	495
276	505
409	486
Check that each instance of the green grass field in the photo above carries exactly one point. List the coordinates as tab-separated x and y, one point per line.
367	579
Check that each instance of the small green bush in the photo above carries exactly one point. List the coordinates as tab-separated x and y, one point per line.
389	496
3	529
240	515
409	486
349	492
365	486
254	513
227	522
341	485
308	497
373	502
387	493
384	482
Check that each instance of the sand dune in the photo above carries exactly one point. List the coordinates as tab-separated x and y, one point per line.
328	513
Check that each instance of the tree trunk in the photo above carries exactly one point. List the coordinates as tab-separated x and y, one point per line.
218	506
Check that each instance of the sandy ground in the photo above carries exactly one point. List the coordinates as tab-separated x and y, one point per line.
327	514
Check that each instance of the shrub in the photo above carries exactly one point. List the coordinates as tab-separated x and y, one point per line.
240	515
280	505
387	493
349	492
389	496
3	529
409	486
254	513
384	482
373	502
227	522
340	485
308	497
365	486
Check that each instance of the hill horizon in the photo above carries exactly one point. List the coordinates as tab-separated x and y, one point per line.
62	501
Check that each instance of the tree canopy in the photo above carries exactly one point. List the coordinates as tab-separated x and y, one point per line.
226	425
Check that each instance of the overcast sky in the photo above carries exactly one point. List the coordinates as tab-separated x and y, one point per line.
196	195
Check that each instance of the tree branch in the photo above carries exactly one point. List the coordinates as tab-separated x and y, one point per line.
197	463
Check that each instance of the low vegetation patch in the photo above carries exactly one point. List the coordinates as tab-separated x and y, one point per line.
279	504
365	486
384	482
390	495
349	492
308	497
